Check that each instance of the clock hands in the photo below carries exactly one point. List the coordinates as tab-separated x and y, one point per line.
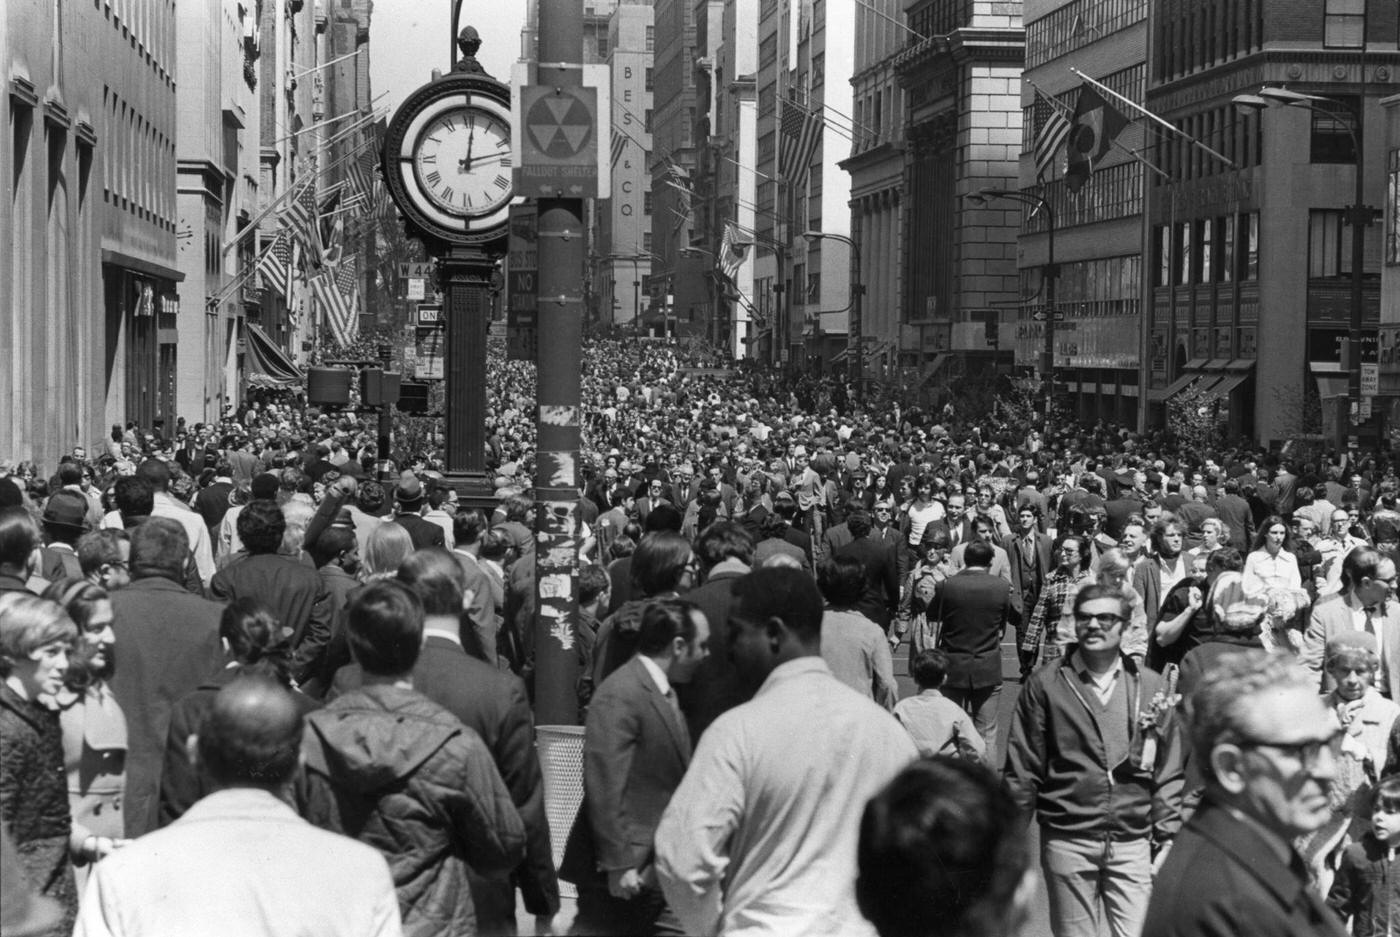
466	164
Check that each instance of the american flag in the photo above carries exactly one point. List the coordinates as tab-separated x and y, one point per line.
300	216
358	177
340	317
275	265
619	146
1054	128
800	132
733	248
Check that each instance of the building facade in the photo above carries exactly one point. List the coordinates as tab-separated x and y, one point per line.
90	221
623	267
1098	230
1249	258
961	72
876	166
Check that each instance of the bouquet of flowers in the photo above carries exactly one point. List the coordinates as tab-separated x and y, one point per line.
1155	720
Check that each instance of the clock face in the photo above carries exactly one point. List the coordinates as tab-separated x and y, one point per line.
462	161
447	160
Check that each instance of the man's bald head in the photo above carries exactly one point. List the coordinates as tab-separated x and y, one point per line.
252	734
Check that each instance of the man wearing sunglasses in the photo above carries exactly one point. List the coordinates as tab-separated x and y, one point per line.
1268	747
1105	788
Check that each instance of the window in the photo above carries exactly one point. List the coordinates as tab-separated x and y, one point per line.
650	83
646	123
1227	248
1249	246
646	202
651	38
646	283
814	289
1183	253
1205	248
1344	24
1162	246
1332	134
818	69
1329	245
646	240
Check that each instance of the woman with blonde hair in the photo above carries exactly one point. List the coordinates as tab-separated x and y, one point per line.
388	545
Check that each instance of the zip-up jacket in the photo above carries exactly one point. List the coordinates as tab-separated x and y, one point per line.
1057	763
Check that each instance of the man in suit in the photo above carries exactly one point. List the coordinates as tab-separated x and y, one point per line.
984	530
409	500
880	595
725	550
975	608
212	501
1029	556
171	642
635	751
838	535
1367	604
493	703
1234	510
290	588
1267	745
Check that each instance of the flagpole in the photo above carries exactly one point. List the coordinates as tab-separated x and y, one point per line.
291	191
1153	117
1066	110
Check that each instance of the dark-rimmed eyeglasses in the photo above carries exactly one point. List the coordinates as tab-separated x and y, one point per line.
1103	620
1307	753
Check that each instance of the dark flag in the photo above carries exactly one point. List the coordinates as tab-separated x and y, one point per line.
1096	125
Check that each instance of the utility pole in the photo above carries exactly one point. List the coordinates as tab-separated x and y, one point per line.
560	316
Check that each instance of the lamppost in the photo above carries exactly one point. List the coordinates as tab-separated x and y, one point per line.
855	349
1048	277
1356	214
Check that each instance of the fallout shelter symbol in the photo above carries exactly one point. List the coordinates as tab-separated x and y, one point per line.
559	125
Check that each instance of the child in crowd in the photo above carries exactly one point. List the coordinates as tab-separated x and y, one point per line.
937	724
1367	888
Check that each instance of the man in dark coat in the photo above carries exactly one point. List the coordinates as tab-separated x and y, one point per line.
290	588
1267	744
409	499
171	644
725	550
1028	553
635	752
880	596
975	608
1234	510
492	703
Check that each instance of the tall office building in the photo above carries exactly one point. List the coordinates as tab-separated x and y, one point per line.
622	267
961	74
90	234
1249	260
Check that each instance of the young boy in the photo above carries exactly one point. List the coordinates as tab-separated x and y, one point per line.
1367	886
936	723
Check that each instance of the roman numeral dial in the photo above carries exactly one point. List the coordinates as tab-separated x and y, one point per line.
462	161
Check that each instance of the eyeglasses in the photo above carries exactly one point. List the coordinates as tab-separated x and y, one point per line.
1106	620
1308	753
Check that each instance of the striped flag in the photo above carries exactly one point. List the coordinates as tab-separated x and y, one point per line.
800	132
300	217
733	249
357	178
1054	128
339	317
619	146
275	265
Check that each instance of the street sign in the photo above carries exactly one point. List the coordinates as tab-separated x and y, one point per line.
416	289
1370	379
556	144
522	283
1040	315
429	314
423	271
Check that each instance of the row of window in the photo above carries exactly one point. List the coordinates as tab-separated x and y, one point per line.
1130	82
150	25
1234	133
1078	24
1392	217
138	162
1206	250
938	18
1194	34
1111	192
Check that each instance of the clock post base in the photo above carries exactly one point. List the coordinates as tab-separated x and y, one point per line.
474	490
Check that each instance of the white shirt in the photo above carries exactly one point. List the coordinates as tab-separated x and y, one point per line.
760	837
658	675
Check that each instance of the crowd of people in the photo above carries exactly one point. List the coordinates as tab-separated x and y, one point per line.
260	676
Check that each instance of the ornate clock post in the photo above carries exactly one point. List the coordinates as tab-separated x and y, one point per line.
446	163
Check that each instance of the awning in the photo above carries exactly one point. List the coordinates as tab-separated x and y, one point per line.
878	349
267	365
1240	364
840	355
1195	364
1174	388
1331	385
1229	382
759	335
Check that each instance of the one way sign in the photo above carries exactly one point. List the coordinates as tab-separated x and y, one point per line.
1040	315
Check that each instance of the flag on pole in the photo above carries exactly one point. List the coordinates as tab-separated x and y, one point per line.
1096	125
619	146
300	217
357	178
339	317
1054	129
800	131
275	265
733	249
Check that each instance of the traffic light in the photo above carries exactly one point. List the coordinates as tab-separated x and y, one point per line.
413	397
